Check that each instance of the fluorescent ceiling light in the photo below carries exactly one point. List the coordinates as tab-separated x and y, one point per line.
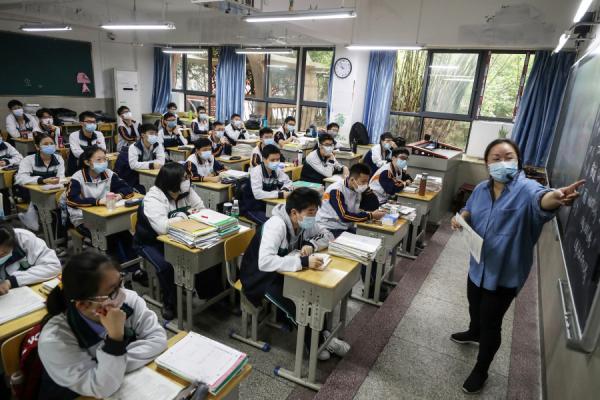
44	27
444	66
583	7
304	15
561	42
258	50
369	47
159	26
171	50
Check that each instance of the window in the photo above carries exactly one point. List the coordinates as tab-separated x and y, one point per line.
278	112
452	132
253	107
406	126
282	75
255	76
316	71
177	71
316	116
197	72
408	80
193	80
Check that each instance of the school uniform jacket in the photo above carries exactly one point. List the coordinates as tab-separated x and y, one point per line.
9	154
199	168
83	191
78	143
199	128
33	170
281	134
219	148
256	155
157	209
31	261
316	167
137	156
386	182
13	128
76	357
265	185
340	208
171	139
233	134
377	157
269	251
127	134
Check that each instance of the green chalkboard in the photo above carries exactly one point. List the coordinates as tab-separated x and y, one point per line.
36	65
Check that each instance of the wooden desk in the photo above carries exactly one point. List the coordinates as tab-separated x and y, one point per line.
18	325
45	201
176	154
271	203
24	146
213	193
112	159
6	180
347	159
147	177
293	171
237	164
391	236
331	180
316	293
102	222
423	205
251	142
188	262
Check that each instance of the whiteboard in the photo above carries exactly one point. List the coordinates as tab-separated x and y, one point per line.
483	133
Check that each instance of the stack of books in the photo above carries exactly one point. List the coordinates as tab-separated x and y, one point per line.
363	249
225	225
198	358
193	234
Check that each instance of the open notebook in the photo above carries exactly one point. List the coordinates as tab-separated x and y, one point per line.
144	384
18	302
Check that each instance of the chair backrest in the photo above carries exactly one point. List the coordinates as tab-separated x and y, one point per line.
233	248
133	219
296	173
11	353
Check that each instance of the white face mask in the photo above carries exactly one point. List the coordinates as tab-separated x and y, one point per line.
291	128
185	186
18	112
127	115
47	121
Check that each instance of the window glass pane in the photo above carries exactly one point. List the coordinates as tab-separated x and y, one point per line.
408	80
179	99
177	71
193	102
405	126
255	75
447	131
451	77
502	85
213	77
282	75
197	72
278	112
254	108
316	116
316	75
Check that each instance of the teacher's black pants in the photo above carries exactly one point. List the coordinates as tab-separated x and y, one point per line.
487	309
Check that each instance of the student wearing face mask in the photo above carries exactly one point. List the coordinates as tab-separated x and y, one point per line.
128	128
172	108
266	138
219	143
508	211
321	163
95	331
83	139
24	259
286	243
9	157
46	124
201	165
235	130
286	132
88	187
169	134
392	177
170	199
200	125
334	129
380	153
146	153
18	123
267	181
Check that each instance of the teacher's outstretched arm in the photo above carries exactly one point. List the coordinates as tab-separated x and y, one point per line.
561	197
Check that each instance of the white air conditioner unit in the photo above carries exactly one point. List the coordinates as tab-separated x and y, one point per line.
235	7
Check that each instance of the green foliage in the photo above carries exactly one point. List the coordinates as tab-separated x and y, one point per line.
502	85
408	80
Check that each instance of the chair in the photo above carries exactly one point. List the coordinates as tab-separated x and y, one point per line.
153	285
234	247
11	351
296	173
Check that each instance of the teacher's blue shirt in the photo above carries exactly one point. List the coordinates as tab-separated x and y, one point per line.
510	228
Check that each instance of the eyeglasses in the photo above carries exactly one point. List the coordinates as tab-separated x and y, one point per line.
111	296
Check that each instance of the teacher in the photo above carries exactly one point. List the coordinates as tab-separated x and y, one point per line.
508	211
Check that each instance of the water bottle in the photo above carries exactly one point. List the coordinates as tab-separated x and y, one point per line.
111	201
235	209
265	122
227	208
299	157
423	184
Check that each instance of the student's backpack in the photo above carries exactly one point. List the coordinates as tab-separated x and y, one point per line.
30	366
359	133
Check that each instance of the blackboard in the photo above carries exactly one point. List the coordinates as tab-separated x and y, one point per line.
575	154
36	65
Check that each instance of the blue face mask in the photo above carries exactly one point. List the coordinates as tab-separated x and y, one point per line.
387	146
48	149
90	127
5	258
220	134
401	164
152	139
171	124
206	155
307	222
100	167
503	171
273	165
269	141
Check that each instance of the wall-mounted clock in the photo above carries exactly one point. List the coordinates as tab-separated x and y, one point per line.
342	68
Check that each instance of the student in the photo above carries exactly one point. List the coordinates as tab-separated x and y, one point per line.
267	181
169	134
201	125
172	108
392	177
9	157
220	144
266	138
321	163
235	130
333	129
146	153
128	128
18	123
380	153
286	243
286	132
88	187
85	138
202	166
24	259
46	124
95	331
170	199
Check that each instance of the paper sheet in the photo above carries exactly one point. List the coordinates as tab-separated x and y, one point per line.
326	258
146	384
473	241
18	302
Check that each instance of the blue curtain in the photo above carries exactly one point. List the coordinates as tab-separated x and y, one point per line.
231	82
330	88
161	91
378	99
540	105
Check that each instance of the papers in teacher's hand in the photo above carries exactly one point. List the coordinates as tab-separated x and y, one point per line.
144	384
18	302
473	241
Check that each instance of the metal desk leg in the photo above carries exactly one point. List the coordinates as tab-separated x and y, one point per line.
378	274
46	219
180	307
299	351
189	318
312	357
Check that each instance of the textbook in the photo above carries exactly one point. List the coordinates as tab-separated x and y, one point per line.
193	233
198	358
144	384
356	247
224	224
18	302
312	185
232	173
48	286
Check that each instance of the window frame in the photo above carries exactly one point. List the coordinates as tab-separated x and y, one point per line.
187	92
